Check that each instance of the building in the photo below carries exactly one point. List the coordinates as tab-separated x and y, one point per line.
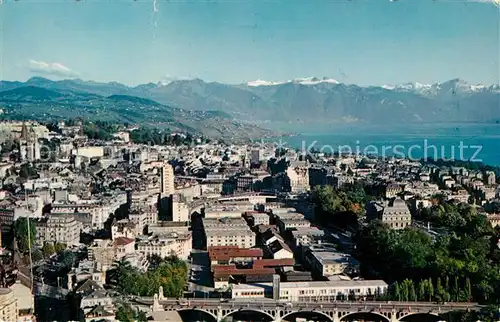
61	228
255	157
494	219
9	310
103	253
241	237
394	213
308	235
123	228
318	291
167	180
224	255
228	232
180	210
298	176
286	223
256	218
229	211
325	261
25	302
123	246
278	249
28	144
245	182
166	227
490	178
176	244
142	216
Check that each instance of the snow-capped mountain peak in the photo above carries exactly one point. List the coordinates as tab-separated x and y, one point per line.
260	82
314	80
452	86
302	81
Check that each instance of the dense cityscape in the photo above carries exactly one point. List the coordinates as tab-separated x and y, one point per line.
106	222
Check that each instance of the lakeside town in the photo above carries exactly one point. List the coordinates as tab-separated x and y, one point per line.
188	229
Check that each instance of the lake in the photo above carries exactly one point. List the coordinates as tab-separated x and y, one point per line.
464	141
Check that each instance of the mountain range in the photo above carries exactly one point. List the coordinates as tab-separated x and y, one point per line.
305	100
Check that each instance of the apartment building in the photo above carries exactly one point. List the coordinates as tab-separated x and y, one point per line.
167	180
228	232
62	228
179	245
180	210
8	305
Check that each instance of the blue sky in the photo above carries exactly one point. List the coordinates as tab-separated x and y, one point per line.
234	41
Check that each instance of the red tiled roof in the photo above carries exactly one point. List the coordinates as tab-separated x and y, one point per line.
121	241
226	253
273	262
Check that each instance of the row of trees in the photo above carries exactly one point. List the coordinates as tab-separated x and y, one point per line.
466	252
429	290
171	274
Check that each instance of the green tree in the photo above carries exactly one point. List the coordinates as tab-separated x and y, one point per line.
455	290
468	289
59	247
48	249
24	238
396	291
412	294
447	289
440	291
124	313
67	258
406	286
422	288
430	289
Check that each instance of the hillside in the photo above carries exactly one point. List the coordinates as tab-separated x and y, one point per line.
42	103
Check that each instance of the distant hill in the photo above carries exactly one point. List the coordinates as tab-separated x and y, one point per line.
41	103
305	100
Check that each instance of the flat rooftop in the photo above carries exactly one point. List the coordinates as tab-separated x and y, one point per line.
228	231
333	257
315	284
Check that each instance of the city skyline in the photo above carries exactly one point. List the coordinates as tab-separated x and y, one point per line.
364	43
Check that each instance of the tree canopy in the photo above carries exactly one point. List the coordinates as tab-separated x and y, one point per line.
170	274
21	233
462	263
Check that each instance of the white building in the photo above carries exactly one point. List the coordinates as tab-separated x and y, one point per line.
179	245
328	263
180	210
228	232
9	310
321	291
298	174
62	228
167	180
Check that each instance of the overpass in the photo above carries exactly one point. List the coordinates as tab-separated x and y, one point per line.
279	311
